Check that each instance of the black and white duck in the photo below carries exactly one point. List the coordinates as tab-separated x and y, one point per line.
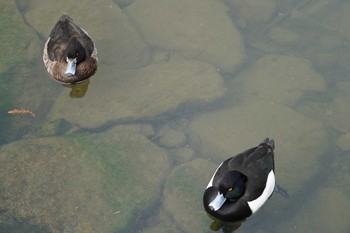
242	184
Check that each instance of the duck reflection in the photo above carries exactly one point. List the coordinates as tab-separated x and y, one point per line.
78	89
227	227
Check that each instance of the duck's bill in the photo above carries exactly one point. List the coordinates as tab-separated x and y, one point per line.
218	201
71	67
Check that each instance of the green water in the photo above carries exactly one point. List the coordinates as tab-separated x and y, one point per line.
180	87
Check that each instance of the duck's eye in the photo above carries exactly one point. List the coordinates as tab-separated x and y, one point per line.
230	189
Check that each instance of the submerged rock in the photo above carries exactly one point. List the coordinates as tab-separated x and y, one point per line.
343	141
196	29
340	108
333	15
160	229
326	211
183	155
146	92
340	173
57	127
277	78
81	183
18	42
251	12
183	193
20	86
170	138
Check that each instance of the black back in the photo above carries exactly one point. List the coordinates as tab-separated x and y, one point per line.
255	164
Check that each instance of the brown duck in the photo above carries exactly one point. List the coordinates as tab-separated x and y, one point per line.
70	55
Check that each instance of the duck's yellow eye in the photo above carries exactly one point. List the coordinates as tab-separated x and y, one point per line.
230	189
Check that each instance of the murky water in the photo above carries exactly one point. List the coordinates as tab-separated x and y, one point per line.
181	86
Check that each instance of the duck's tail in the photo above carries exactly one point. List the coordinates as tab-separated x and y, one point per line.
270	143
65	17
281	191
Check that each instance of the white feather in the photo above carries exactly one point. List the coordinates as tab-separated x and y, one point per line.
212	178
260	201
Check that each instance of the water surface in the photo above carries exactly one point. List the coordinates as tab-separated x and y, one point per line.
180	87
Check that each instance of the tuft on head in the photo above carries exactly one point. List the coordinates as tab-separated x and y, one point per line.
75	50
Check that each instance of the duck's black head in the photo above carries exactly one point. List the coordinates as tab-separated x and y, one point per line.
75	54
230	188
75	50
232	185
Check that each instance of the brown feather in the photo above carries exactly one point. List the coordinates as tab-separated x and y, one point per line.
55	50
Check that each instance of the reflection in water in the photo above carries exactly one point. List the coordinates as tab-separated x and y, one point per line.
78	90
227	227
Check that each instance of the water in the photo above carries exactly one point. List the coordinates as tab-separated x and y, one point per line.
180	87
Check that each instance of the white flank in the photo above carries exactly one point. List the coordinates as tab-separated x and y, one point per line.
212	178
270	186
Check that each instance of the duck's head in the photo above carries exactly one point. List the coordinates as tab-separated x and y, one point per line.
231	187
75	53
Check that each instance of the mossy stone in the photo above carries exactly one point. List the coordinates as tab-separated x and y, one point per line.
83	182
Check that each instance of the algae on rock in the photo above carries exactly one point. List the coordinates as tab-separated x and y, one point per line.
81	183
183	193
